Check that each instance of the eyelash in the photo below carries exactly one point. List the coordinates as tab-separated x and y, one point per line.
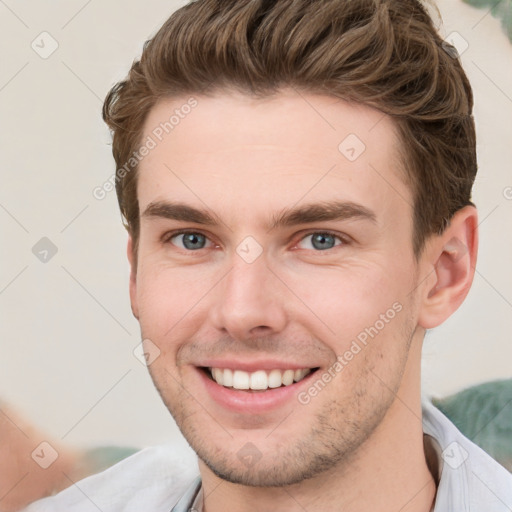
343	239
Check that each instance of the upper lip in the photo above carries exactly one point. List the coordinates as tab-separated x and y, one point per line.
252	366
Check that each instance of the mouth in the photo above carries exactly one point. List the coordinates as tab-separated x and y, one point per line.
250	388
259	380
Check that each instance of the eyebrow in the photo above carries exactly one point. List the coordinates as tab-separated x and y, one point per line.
324	211
180	211
307	214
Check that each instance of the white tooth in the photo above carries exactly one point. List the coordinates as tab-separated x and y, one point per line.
217	375
287	378
240	380
259	380
227	378
274	379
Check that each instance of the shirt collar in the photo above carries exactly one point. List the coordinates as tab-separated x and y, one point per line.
191	501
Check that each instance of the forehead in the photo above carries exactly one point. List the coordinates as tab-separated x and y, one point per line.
251	153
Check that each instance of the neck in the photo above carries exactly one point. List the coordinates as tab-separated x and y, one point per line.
388	473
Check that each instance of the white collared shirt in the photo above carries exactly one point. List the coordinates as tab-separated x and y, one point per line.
163	478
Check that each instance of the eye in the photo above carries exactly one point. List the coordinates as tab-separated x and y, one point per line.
320	241
189	240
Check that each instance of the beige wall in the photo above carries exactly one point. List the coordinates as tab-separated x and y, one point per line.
67	333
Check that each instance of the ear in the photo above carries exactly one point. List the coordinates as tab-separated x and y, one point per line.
133	277
451	260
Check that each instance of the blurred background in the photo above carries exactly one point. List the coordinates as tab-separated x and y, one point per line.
66	330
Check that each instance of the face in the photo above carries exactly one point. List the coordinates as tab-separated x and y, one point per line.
275	275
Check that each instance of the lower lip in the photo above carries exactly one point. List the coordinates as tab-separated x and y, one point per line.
252	402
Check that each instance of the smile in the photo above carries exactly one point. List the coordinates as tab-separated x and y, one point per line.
259	380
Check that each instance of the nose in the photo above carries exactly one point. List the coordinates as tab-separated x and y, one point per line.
249	301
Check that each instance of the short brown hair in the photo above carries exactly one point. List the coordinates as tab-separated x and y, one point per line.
385	54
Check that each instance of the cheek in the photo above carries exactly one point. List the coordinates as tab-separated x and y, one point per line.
350	299
368	313
170	301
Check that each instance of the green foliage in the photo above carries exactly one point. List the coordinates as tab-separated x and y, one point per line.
102	457
501	9
483	413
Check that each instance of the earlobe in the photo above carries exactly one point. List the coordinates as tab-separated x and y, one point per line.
453	256
133	277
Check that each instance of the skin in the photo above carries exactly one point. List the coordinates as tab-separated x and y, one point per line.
358	444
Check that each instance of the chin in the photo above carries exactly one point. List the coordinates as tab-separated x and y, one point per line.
276	464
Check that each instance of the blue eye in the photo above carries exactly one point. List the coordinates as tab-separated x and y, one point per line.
321	241
189	240
317	241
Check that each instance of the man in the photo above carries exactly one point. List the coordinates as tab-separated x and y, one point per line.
295	178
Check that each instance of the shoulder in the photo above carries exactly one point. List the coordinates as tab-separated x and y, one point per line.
470	478
153	478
